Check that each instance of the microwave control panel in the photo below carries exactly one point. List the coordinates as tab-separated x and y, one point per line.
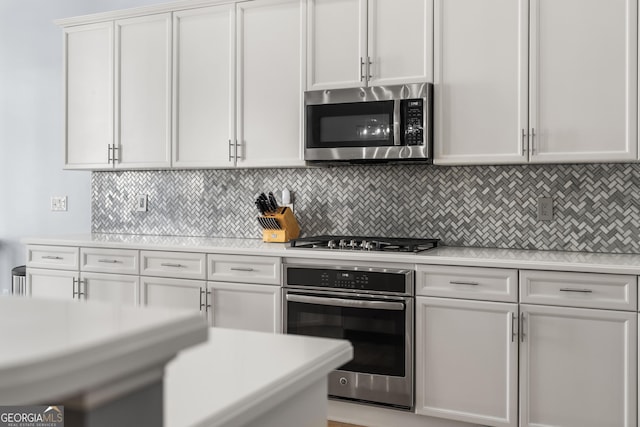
412	111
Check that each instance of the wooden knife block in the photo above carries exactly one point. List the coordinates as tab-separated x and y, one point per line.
288	224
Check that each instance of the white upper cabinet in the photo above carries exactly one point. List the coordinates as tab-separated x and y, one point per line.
88	71
143	92
583	81
337	43
535	81
204	81
355	43
270	83
400	41
481	81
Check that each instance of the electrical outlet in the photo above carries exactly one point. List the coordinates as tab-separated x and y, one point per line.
141	203
58	203
545	209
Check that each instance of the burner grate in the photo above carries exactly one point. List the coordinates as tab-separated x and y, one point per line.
363	243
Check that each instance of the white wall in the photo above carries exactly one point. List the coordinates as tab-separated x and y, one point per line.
31	127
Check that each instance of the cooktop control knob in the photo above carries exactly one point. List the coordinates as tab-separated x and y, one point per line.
331	244
342	244
353	244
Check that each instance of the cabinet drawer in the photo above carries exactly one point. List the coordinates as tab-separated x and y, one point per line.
121	261
244	269
590	290
184	265
56	257
489	284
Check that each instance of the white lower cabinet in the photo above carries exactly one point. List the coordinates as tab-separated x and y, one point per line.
578	349
226	305
116	288
245	306
173	293
577	367
56	284
467	360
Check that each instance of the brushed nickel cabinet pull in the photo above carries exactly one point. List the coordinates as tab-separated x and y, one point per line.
464	283
73	286
582	291
208	301
369	64
521	327
201	303
116	154
525	149
108	261
361	69
109	150
80	283
533	145
230	156
51	257
514	332
241	269
170	264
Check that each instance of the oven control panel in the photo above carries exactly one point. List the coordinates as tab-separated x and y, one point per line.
357	279
344	279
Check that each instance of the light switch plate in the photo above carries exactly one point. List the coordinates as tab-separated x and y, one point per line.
545	209
59	203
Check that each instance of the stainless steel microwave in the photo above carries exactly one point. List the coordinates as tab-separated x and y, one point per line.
371	124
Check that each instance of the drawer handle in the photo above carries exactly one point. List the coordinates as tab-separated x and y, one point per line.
464	283
51	257
241	269
170	264
109	261
582	291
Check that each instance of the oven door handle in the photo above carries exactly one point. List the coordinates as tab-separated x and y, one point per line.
341	302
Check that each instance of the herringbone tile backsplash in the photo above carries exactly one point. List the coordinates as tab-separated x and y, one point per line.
596	206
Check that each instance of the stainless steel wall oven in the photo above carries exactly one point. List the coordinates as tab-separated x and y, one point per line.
371	307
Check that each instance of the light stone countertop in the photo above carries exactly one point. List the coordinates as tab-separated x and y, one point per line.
457	256
237	376
53	349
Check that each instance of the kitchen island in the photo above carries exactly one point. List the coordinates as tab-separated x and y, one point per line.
252	379
112	365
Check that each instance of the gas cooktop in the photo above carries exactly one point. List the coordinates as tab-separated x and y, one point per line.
360	243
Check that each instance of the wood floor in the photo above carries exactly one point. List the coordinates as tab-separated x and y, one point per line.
337	424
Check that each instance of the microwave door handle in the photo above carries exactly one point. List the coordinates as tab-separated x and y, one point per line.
340	302
397	104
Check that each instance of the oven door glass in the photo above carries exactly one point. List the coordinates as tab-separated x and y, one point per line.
356	124
378	335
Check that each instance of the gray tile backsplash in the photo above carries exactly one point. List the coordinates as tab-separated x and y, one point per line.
596	206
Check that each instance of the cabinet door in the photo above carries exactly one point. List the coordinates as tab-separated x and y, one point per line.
54	284
583	80
143	91
399	57
242	306
467	361
113	288
204	95
577	367
270	82
173	293
337	44
88	74
481	105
